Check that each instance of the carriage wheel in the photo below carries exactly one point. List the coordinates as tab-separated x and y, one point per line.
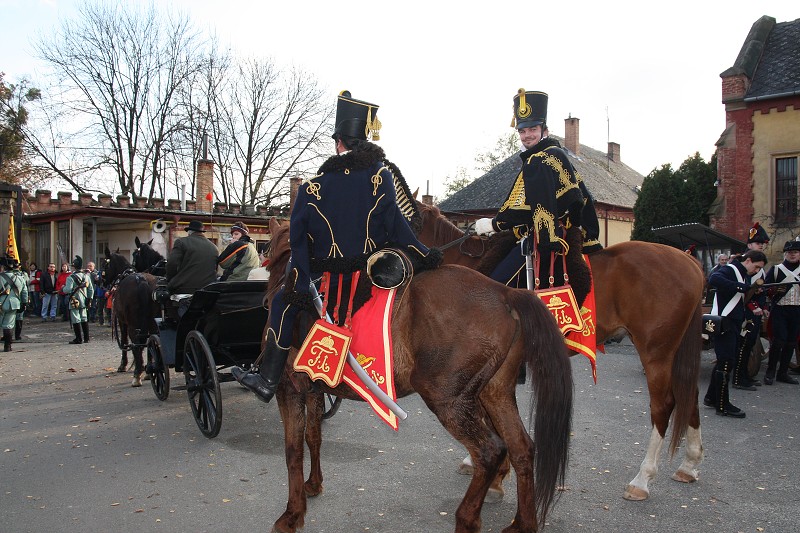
202	384
332	404
156	367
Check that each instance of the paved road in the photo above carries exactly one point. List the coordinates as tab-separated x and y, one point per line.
83	451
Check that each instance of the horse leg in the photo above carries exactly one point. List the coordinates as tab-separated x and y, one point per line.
496	491
292	405
637	489
138	366
315	403
687	472
123	362
462	417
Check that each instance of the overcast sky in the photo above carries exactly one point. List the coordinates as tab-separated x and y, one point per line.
641	74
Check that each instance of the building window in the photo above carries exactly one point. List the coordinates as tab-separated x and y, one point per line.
786	198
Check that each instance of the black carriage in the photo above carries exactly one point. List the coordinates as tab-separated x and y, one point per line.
220	326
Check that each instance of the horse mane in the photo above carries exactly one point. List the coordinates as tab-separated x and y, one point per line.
443	229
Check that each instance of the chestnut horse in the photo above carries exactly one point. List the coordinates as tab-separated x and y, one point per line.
459	341
666	330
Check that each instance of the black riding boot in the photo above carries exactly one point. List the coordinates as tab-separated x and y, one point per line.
18	331
710	399
85	328
6	340
740	378
724	407
265	383
77	329
775	350
783	366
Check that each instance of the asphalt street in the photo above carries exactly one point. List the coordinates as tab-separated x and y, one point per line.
84	451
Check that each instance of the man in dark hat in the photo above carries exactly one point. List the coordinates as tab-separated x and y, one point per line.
240	256
754	312
192	262
546	197
732	282
785	312
349	210
13	297
78	290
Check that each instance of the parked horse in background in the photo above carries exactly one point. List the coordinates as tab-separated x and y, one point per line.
459	341
147	259
650	292
132	311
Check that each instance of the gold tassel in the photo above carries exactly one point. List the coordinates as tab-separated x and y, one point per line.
373	126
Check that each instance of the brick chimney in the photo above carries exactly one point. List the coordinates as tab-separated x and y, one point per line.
572	134
204	185
613	152
294	184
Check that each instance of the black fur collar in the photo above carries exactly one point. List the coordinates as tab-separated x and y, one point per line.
362	158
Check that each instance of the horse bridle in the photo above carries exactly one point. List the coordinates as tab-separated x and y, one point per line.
469	232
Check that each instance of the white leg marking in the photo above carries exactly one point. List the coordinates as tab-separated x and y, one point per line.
638	489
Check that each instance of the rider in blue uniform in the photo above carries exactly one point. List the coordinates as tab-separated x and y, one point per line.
546	197
349	210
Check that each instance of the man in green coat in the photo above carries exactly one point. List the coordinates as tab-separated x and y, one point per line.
78	290
192	262
13	297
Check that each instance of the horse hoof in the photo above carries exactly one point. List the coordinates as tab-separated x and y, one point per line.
635	494
312	489
466	468
684	477
147	377
121	369
494	496
137	381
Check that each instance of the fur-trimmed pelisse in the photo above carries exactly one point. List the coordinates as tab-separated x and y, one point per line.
389	268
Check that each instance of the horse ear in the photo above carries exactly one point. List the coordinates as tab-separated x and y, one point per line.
150	242
414	196
273	225
108	253
137	241
117	250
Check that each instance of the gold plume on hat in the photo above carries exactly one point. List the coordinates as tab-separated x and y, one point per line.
373	125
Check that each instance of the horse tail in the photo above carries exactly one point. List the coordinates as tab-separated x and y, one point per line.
685	372
551	374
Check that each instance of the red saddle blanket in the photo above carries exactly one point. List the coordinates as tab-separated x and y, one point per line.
372	348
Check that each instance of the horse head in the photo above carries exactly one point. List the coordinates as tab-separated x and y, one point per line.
115	265
146	258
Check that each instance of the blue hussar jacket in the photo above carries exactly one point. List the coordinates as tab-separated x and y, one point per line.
344	213
725	281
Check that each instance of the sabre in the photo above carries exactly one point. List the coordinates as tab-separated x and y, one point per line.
525	249
357	368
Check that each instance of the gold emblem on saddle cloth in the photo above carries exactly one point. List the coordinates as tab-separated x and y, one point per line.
324	353
561	303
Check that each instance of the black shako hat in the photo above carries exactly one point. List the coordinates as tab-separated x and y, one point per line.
356	119
77	262
757	234
791	246
195	225
530	109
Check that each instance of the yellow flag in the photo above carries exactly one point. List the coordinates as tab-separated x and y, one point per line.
11	246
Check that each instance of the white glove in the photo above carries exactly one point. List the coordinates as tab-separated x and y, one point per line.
483	226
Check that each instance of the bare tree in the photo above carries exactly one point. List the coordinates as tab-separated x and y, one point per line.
121	68
268	125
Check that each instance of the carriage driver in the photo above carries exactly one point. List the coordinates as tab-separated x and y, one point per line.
192	262
348	210
546	191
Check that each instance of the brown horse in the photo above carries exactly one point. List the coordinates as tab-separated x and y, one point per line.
653	294
459	341
132	312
